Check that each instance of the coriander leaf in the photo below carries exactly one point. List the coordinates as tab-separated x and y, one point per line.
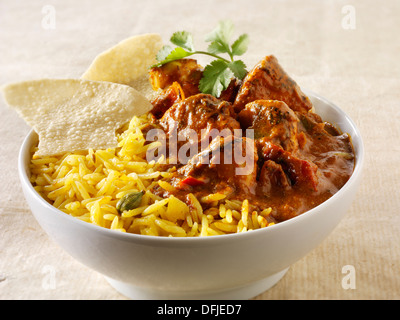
238	68
164	53
218	74
175	54
220	37
219	47
222	33
216	47
183	39
239	47
216	78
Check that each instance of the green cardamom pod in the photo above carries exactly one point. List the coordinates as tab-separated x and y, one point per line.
129	201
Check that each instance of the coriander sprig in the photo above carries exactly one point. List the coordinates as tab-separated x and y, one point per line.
218	74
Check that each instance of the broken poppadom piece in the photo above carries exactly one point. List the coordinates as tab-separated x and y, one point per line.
127	63
72	114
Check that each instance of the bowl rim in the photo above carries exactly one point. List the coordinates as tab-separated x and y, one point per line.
148	239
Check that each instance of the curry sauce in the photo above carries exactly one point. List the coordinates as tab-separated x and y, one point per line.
291	161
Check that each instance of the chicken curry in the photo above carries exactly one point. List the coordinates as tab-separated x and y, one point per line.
297	160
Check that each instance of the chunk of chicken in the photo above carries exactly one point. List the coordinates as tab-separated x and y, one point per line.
268	81
201	113
184	71
171	95
227	165
299	172
273	178
273	120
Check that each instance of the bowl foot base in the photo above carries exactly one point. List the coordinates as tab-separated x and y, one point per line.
237	293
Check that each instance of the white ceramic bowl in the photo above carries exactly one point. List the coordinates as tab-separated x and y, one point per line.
237	266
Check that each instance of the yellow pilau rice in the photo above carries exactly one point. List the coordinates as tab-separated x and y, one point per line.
88	185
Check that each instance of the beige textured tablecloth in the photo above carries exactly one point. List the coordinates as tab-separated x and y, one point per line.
347	51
